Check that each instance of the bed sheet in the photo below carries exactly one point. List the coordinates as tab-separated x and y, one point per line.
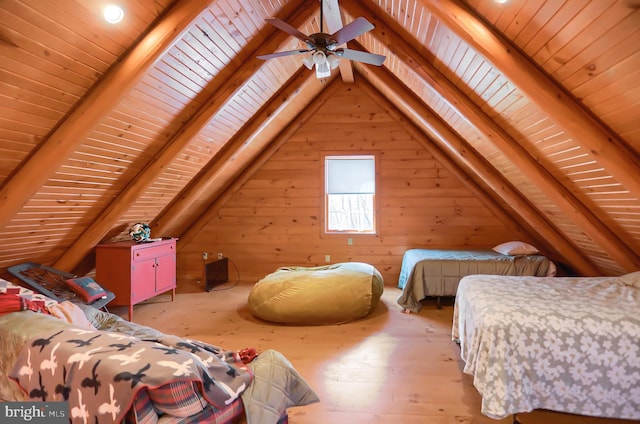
565	344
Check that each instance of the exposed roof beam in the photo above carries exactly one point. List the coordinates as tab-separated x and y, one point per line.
99	101
490	201
603	144
394	36
259	160
464	154
334	21
233	77
245	145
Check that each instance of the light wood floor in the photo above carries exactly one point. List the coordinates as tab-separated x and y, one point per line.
390	367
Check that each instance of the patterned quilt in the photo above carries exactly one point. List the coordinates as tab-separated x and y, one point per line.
99	372
563	344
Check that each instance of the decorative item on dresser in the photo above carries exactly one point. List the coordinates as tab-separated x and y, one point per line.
136	272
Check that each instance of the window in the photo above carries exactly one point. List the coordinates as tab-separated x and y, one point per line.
350	188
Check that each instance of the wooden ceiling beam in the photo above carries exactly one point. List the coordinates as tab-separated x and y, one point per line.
608	149
228	191
243	147
464	154
34	172
230	80
394	36
334	21
492	202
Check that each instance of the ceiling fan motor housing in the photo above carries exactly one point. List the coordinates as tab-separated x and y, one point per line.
321	41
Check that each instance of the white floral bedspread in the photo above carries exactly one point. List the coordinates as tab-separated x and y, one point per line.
563	344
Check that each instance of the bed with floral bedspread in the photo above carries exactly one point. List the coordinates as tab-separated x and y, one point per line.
566	344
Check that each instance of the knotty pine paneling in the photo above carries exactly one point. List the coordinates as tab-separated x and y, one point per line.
591	48
536	131
275	219
52	53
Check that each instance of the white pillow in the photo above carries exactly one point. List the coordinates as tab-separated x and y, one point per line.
632	279
516	248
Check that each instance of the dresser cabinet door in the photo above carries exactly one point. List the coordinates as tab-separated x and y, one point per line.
143	280
165	272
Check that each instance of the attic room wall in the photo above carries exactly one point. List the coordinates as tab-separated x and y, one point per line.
274	220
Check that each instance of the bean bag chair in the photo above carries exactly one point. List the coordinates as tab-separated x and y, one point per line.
329	294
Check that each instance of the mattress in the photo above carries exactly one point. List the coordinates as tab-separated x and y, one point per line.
434	272
565	344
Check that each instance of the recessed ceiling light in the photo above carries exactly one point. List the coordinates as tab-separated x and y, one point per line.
113	14
501	1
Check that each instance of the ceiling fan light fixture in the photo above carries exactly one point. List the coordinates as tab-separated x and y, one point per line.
308	61
334	61
319	57
323	70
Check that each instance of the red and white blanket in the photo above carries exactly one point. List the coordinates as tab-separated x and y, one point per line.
99	372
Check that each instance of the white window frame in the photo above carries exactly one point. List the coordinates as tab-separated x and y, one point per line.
364	219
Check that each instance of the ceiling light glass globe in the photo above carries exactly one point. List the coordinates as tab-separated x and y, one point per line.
113	14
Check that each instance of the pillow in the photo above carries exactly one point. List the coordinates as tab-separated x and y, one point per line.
87	288
516	248
632	279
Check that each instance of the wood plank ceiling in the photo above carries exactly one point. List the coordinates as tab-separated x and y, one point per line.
152	119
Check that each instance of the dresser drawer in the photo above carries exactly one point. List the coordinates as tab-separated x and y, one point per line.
144	252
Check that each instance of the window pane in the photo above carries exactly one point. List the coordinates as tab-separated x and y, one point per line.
350	192
350	212
350	176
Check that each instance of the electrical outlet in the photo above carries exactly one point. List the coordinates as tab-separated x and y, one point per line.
220	255
205	255
327	258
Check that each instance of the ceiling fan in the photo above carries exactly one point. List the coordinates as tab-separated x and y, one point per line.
324	49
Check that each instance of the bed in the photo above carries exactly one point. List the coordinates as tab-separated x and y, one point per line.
435	272
112	370
566	344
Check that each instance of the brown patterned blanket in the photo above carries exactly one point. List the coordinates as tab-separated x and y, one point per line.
99	372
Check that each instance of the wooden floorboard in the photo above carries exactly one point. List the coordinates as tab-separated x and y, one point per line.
390	367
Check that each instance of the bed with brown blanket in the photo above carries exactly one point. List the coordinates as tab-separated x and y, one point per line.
437	272
110	370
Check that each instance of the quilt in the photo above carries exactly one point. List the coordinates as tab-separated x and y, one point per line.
565	344
99	372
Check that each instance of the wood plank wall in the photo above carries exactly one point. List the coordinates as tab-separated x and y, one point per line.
275	219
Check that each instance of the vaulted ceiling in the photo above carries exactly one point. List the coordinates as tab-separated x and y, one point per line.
152	119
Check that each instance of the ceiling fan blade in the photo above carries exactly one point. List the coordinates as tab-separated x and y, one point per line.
358	56
332	16
352	30
281	54
282	25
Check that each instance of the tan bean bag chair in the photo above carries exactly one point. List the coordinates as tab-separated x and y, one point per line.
320	295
